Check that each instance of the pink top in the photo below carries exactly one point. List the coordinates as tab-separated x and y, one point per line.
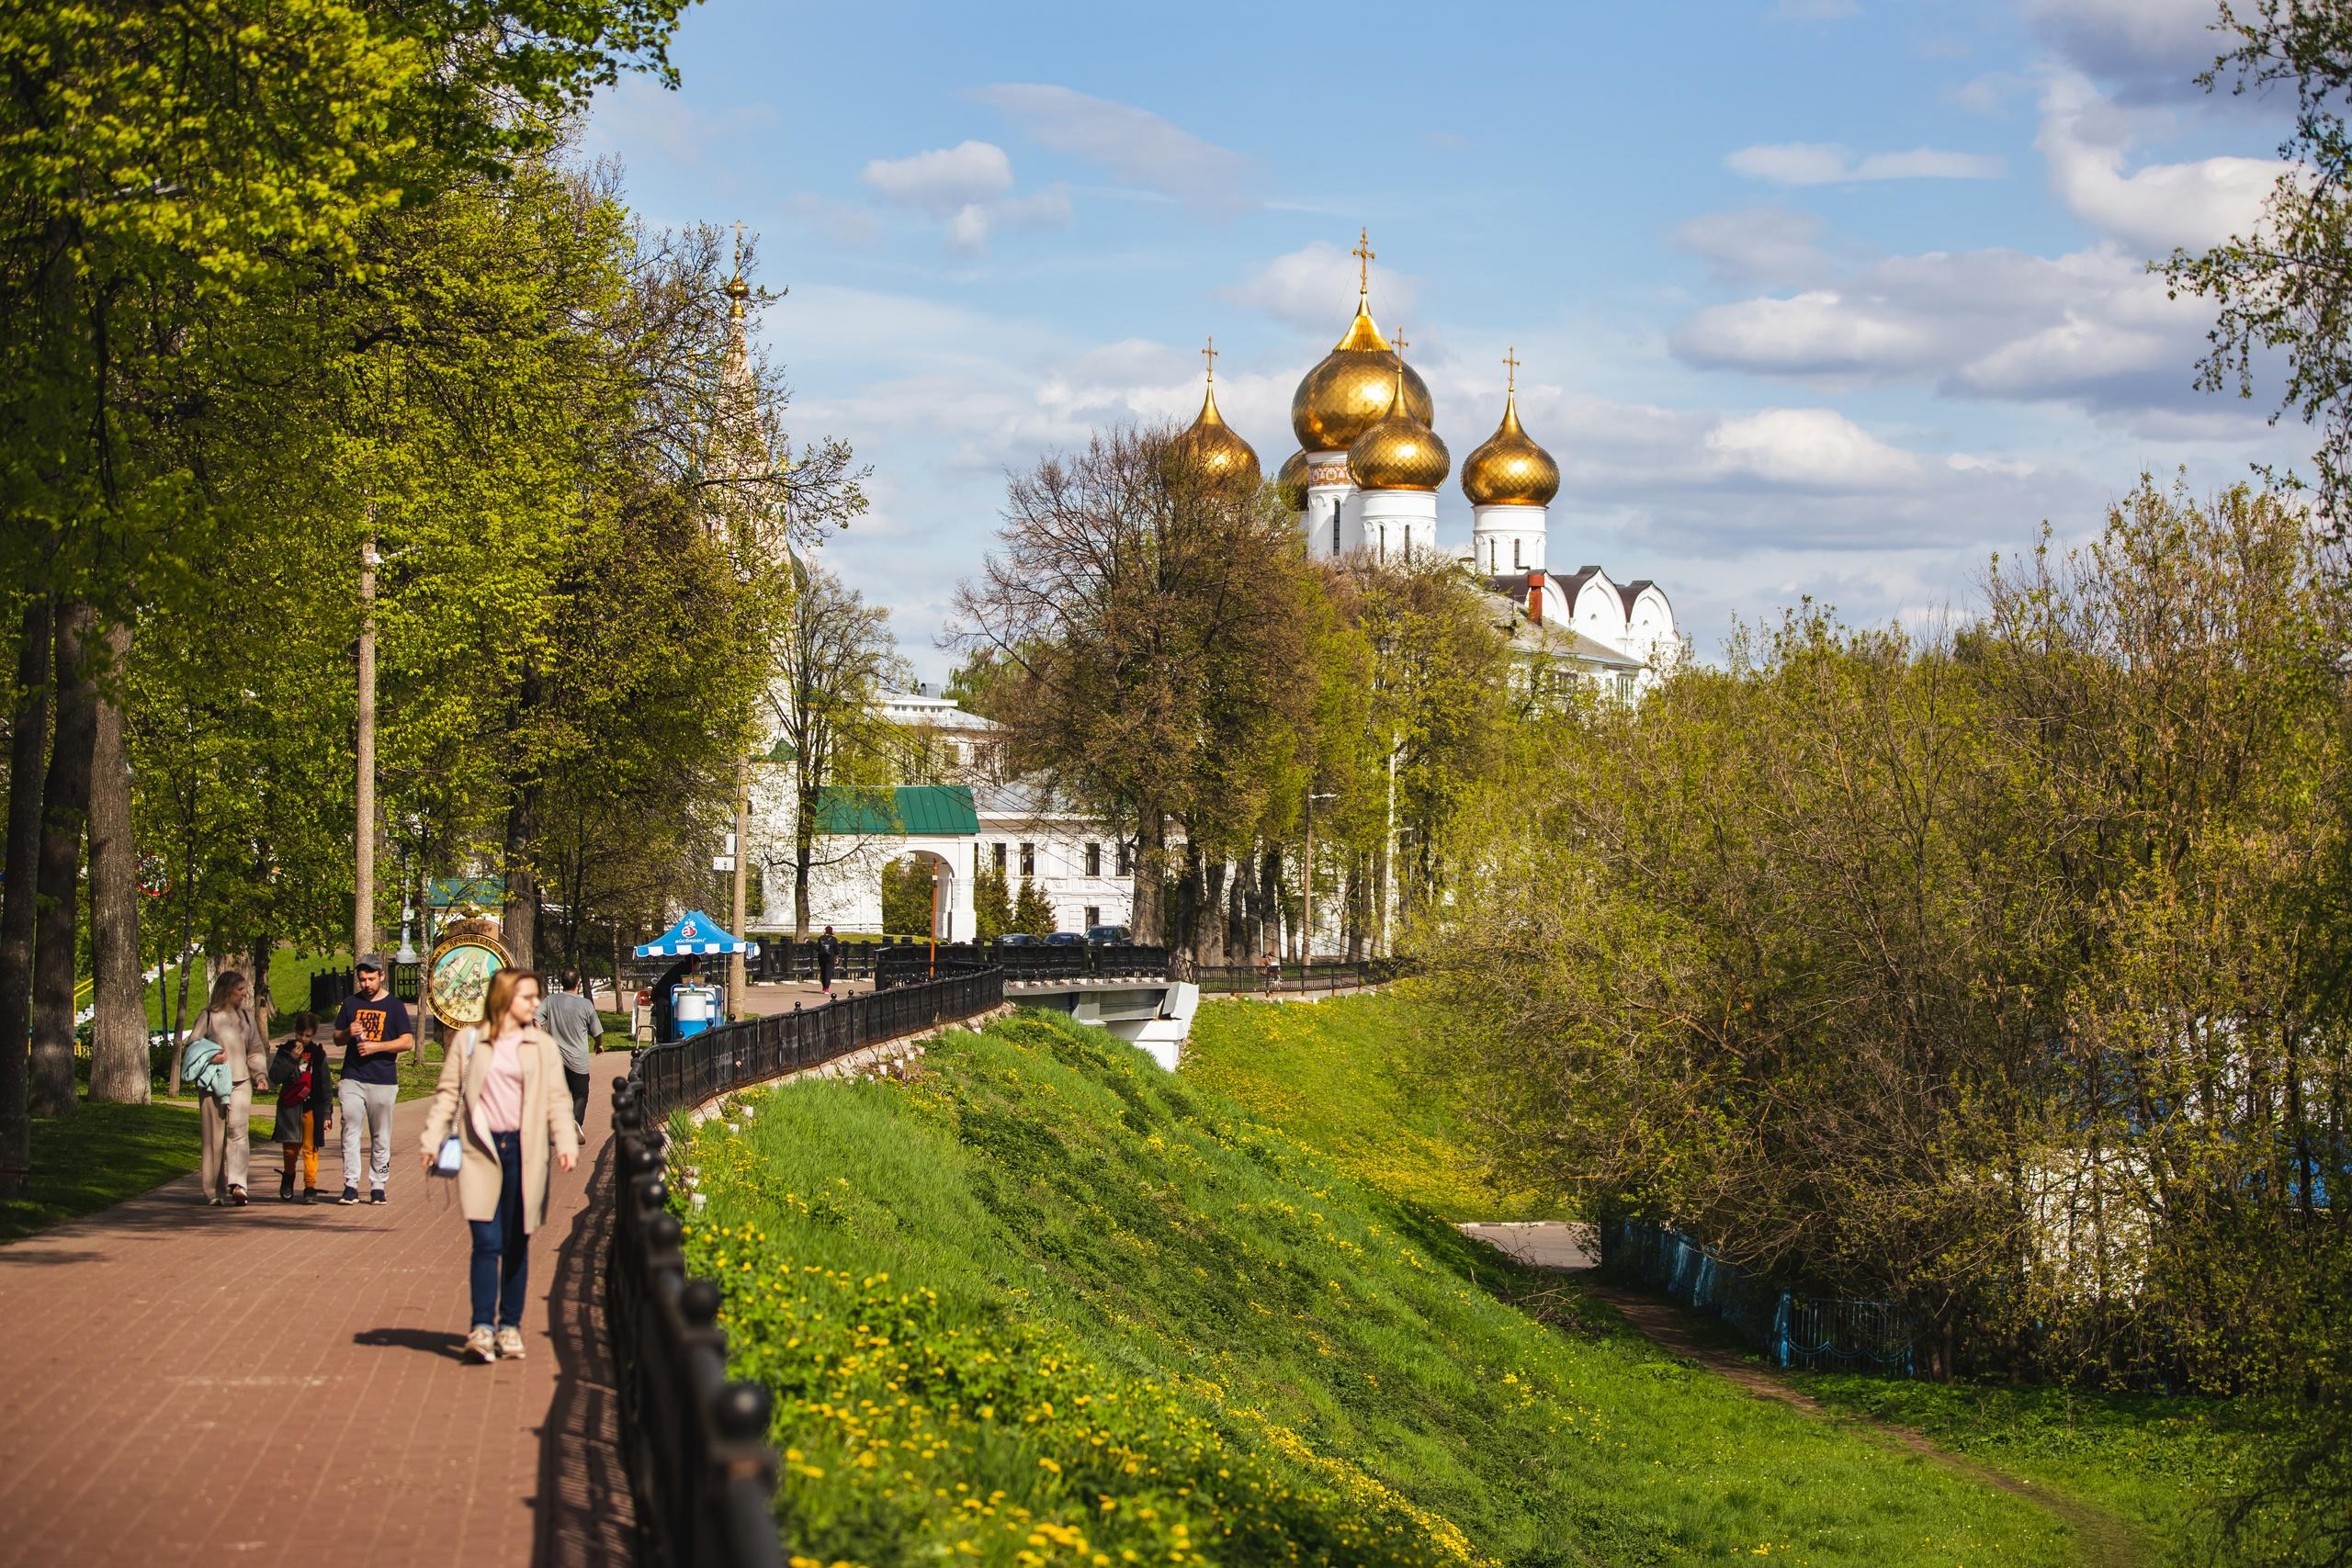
501	1105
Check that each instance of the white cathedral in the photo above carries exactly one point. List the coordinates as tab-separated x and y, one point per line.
1365	477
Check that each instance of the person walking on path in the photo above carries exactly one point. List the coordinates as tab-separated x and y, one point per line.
305	1105
571	1018
228	1022
373	1028
828	951
497	1096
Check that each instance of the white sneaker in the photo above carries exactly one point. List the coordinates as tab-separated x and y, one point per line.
510	1343
480	1346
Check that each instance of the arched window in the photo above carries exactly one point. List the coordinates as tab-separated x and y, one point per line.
1516	563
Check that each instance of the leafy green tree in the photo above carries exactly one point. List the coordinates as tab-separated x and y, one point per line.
836	654
991	905
1030	912
906	897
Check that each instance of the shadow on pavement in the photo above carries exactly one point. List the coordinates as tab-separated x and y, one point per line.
433	1341
586	1513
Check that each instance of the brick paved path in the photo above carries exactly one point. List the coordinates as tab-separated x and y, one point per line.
185	1385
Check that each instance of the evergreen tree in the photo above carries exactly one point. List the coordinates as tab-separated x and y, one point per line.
991	905
1031	913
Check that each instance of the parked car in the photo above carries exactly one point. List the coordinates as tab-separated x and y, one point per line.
1065	939
1018	939
1108	936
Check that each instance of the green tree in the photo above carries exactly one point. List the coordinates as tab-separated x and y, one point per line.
1030	912
991	905
836	655
906	897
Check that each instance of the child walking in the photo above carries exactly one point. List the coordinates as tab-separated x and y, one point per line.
305	1105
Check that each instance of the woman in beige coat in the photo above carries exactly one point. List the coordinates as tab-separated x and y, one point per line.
502	1092
228	1022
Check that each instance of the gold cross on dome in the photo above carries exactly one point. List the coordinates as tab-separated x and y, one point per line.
1402	343
1209	354
1363	253
1511	362
738	245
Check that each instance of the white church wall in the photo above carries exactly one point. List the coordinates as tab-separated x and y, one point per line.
1393	524
1508	538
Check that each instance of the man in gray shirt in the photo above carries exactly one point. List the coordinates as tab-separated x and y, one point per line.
571	1018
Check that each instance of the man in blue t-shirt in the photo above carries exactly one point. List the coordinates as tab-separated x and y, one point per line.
373	1028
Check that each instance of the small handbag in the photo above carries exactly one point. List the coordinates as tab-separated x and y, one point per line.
452	1157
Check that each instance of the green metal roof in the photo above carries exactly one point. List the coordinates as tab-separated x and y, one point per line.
901	811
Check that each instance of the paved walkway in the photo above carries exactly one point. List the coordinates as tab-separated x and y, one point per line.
181	1385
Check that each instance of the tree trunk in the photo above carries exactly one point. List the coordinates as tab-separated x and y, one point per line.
28	754
1150	915
179	1013
65	810
264	1001
118	991
522	908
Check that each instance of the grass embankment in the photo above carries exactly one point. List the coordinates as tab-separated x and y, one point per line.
1338	1075
2154	1460
98	1159
1046	1303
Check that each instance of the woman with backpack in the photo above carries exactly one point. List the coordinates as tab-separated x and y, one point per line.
501	1107
227	1021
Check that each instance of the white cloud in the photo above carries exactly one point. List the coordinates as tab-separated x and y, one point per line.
1810	449
1766	246
1315	289
2157	206
1827	163
2149	50
943	179
1133	144
967	187
2092	329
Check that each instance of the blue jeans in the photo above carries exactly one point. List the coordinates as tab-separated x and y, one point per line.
501	1256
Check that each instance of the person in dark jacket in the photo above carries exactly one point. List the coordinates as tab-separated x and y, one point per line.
828	953
305	1105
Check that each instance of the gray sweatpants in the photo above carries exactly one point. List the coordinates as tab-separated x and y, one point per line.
371	1104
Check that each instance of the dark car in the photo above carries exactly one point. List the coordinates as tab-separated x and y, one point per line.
1108	936
1018	939
1065	939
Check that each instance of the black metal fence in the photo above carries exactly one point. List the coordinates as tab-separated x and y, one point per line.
329	986
1320	978
905	965
699	1457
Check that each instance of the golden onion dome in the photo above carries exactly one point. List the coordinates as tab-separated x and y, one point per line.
1350	391
1290	481
1400	452
1212	444
1508	468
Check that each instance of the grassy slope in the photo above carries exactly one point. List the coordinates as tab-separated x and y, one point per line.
2151	1460
99	1158
1049	1303
1336	1075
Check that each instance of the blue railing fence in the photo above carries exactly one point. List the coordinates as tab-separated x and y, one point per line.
1792	1330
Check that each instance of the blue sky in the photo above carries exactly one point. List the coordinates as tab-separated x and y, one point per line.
1810	296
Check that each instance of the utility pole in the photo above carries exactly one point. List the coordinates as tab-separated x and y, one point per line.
363	883
735	968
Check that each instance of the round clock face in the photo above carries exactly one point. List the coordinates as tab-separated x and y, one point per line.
457	976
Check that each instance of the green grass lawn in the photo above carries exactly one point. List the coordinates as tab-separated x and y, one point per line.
1338	1075
2151	1460
1046	1303
106	1154
289	984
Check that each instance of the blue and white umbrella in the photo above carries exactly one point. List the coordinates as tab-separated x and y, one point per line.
696	934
